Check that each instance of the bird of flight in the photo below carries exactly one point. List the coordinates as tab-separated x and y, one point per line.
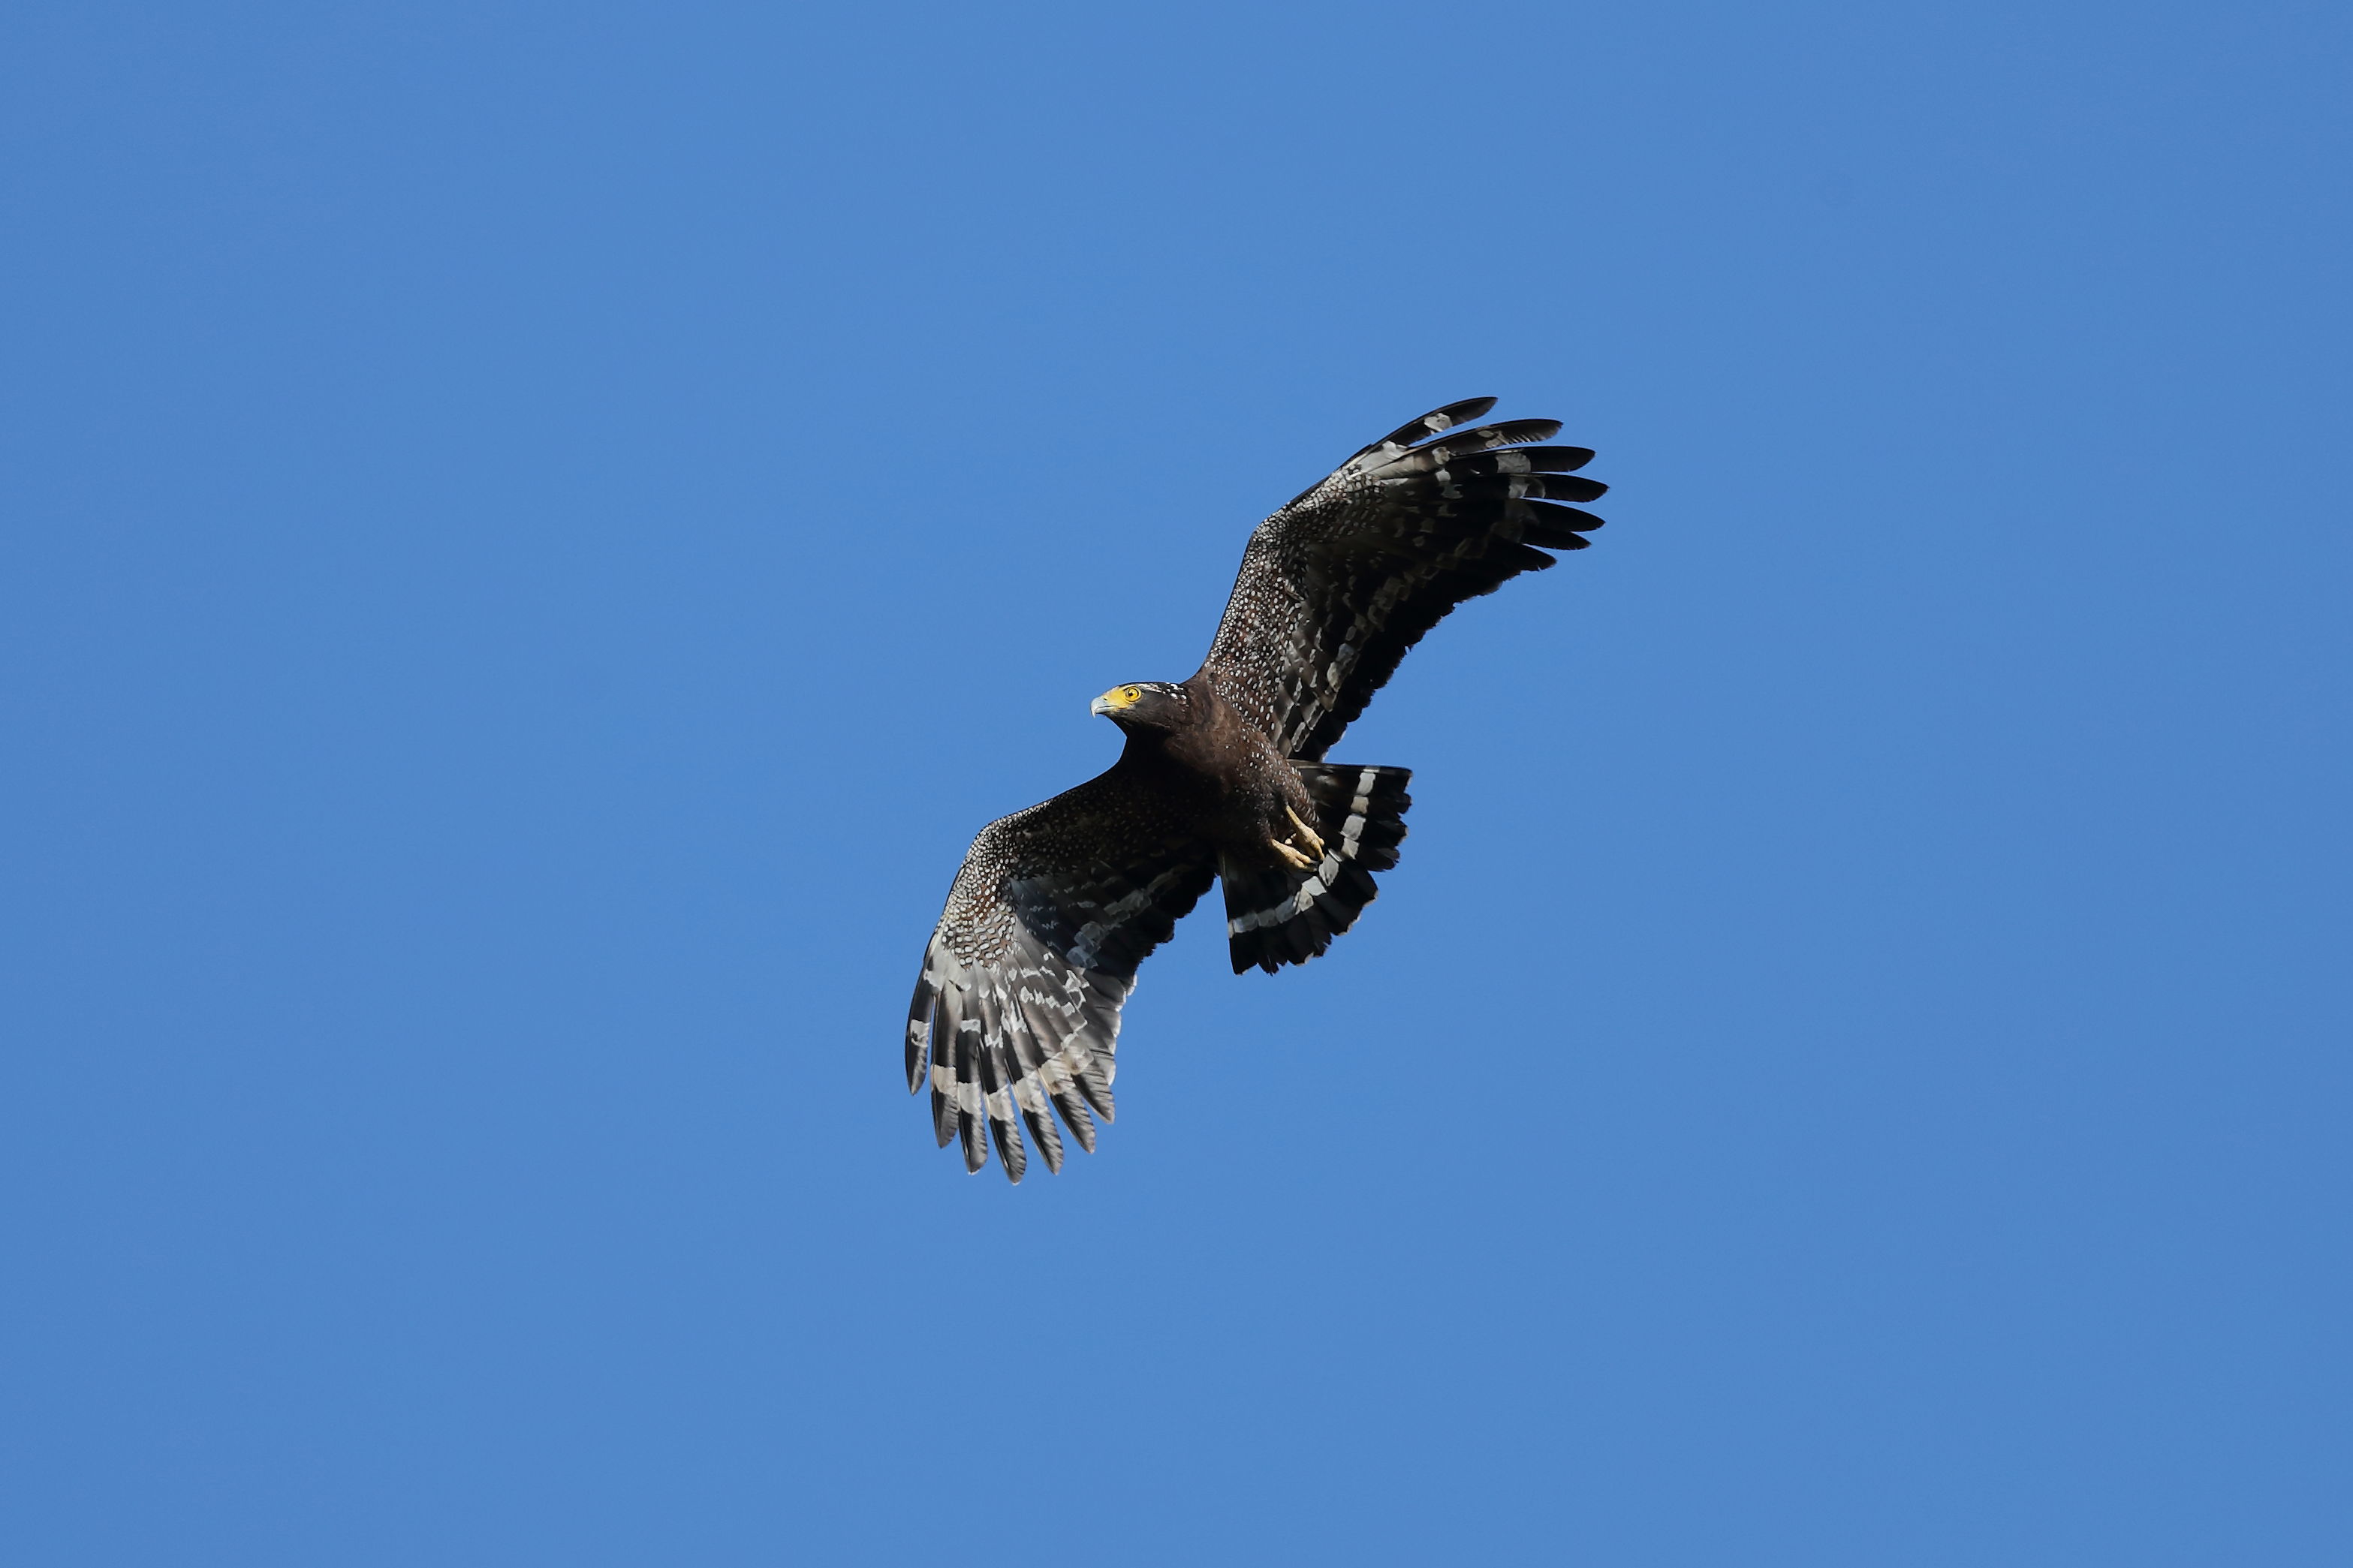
1223	778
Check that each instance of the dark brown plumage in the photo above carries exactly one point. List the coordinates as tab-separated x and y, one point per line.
1017	1011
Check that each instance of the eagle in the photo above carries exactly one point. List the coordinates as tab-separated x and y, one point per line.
1222	778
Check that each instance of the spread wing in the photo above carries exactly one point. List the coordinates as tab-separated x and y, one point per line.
1018	1002
1338	584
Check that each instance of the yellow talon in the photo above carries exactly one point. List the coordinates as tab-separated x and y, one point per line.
1315	841
1288	853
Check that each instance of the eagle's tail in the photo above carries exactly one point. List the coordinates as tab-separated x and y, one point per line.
1282	916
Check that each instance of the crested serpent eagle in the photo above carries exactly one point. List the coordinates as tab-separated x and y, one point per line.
1223	778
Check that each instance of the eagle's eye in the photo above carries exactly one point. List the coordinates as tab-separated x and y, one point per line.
1131	694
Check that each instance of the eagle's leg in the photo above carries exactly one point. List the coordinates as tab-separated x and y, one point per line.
1298	861
1313	841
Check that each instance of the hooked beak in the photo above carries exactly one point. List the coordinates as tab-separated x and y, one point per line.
1100	708
1115	702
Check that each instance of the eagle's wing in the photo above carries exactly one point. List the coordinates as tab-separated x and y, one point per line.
1018	1002
1336	586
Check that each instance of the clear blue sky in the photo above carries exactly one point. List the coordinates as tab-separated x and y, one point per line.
532	537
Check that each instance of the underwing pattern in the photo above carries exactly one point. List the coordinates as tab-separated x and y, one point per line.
1017	1006
1336	586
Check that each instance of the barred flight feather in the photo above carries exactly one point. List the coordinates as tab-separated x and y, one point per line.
1035	1115
1001	1131
1435	421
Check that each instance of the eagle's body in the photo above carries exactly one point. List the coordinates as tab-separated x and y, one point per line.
1222	778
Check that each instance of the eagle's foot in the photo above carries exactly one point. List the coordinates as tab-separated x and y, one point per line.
1298	861
1307	835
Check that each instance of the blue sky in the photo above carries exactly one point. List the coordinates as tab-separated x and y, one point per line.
532	537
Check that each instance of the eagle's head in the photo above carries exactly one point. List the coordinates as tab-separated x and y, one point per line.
1145	705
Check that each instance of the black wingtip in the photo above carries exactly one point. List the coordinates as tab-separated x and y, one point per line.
1455	413
1002	1130
1431	424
